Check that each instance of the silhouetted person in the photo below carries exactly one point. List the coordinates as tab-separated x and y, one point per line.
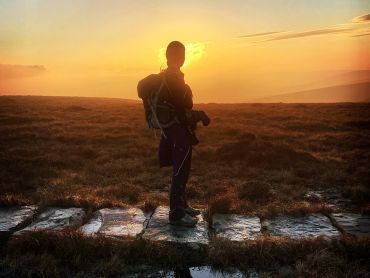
177	126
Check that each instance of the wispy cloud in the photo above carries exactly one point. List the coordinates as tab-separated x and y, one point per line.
360	35
275	36
361	18
309	34
258	34
19	71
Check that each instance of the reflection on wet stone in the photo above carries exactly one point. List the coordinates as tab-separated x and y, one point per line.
115	222
197	272
236	227
56	219
312	225
11	218
159	229
353	223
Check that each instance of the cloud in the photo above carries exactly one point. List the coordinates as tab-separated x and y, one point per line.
360	35
20	71
361	18
258	34
309	34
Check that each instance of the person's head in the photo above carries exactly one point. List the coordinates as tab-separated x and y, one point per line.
175	54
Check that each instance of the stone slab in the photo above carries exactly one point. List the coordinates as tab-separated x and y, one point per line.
56	219
330	197
117	222
353	223
312	225
159	229
236	227
11	218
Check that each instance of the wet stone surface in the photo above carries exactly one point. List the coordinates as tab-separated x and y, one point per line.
115	222
159	229
196	272
11	218
312	225
353	223
56	219
331	197
236	227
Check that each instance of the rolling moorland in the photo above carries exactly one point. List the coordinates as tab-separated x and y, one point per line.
253	158
260	159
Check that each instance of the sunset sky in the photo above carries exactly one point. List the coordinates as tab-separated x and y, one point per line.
238	50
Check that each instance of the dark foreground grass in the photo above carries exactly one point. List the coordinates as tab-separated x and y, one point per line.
71	254
253	158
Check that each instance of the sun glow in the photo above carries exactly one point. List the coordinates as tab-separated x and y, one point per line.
193	52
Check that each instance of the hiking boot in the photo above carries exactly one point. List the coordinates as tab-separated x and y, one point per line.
192	211
186	221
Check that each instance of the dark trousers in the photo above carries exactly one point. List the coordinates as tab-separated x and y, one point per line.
175	149
177	191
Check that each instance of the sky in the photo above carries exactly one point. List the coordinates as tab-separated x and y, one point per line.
237	50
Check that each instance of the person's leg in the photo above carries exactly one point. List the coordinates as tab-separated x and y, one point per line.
176	202
181	167
184	177
165	150
177	190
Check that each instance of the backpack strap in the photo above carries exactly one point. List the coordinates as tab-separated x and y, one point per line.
155	102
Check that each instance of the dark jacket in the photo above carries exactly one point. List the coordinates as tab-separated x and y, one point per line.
176	91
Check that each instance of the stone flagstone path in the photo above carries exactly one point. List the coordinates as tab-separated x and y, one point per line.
11	218
353	223
132	222
311	225
236	227
56	219
159	229
115	222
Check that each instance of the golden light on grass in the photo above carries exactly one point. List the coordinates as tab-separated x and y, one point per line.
193	52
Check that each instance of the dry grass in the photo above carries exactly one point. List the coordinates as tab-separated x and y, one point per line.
95	153
69	254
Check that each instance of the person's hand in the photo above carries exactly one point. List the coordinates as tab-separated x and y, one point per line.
204	118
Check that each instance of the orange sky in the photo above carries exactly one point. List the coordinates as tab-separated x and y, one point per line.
237	50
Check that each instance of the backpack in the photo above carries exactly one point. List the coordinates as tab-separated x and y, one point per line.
154	92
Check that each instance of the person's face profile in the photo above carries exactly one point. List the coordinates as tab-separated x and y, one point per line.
182	58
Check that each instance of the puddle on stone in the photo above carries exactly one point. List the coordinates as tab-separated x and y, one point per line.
115	222
11	218
312	225
353	223
159	229
56	219
198	272
236	227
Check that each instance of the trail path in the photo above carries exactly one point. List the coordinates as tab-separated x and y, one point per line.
154	226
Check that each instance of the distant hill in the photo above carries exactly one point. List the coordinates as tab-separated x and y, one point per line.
359	92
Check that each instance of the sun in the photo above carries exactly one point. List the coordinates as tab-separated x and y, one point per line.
193	52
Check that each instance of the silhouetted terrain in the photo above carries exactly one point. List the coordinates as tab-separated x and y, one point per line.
253	158
359	92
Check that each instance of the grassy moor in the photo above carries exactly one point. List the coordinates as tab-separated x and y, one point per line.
254	158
